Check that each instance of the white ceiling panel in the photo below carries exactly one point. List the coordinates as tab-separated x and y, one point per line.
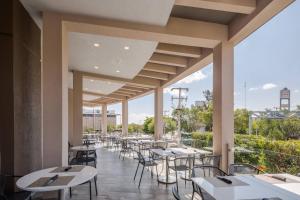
87	97
110	57
102	87
154	12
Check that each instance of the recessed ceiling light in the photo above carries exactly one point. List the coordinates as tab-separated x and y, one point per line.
92	80
96	67
86	88
126	47
118	71
96	44
108	83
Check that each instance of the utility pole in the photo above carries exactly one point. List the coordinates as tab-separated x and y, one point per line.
179	100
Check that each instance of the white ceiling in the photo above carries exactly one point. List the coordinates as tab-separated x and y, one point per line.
154	12
110	56
101	87
88	97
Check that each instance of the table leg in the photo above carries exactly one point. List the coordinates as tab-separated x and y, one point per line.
167	179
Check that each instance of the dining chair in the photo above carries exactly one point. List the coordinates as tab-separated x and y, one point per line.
213	160
90	188
145	162
239	168
180	164
205	171
14	195
175	193
125	149
84	158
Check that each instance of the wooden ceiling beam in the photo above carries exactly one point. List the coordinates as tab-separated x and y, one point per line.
155	75
126	91
160	68
121	93
177	31
242	26
133	89
112	96
178	50
177	61
235	6
138	81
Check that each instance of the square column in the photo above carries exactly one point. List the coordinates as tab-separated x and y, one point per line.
125	117
158	113
104	118
223	103
54	91
77	108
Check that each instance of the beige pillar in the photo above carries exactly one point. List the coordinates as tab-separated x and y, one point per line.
223	86
54	92
104	118
158	113
77	108
125	117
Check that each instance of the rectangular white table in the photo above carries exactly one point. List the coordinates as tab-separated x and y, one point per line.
255	188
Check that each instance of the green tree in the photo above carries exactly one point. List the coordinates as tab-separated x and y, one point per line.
148	126
170	124
241	121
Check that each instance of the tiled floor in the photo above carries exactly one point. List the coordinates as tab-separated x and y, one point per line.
115	181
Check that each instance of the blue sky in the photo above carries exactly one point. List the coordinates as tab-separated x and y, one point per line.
267	61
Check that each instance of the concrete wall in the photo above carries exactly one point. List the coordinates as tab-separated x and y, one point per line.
20	76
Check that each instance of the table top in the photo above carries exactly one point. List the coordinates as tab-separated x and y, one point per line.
86	174
254	188
179	151
91	147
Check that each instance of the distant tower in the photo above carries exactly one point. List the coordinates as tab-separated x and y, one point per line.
285	100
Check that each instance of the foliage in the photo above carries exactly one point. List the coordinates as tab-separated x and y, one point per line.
275	155
169	123
281	129
111	128
241	121
135	128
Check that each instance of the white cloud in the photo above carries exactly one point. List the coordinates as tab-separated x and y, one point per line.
253	88
296	91
269	86
138	118
197	76
173	92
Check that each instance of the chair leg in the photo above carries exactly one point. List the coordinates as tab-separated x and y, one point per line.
70	192
136	171
185	179
176	180
90	185
96	189
141	175
157	175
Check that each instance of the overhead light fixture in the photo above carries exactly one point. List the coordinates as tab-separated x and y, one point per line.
118	71
96	44
108	83
86	88
92	80
126	47
96	67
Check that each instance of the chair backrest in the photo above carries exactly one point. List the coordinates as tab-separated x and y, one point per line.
140	157
181	161
207	171
175	193
213	160
235	169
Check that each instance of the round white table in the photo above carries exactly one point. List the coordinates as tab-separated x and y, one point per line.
86	148
86	174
